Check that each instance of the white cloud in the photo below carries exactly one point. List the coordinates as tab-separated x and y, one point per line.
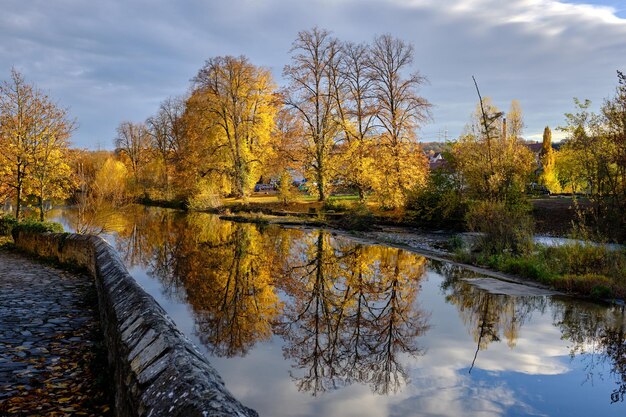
116	60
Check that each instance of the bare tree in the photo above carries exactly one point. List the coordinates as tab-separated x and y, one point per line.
312	94
166	132
132	140
400	112
358	111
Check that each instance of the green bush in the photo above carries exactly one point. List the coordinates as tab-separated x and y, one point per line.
502	228
582	258
7	223
456	243
595	285
440	203
335	205
357	218
38	227
529	267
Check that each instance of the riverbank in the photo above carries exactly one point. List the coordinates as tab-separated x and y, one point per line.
583	269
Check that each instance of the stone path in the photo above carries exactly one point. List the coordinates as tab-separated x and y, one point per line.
51	359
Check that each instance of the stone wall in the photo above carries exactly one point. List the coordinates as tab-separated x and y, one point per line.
157	371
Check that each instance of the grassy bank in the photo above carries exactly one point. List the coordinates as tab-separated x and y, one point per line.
581	268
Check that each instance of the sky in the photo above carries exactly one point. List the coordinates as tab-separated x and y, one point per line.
116	60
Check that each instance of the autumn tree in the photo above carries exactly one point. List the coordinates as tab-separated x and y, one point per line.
400	111
515	121
51	174
34	133
548	176
101	182
599	141
494	165
237	101
358	111
312	96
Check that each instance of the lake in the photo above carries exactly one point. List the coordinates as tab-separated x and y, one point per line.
304	322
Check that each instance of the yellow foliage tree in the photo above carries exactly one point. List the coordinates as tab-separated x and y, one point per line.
399	169
52	177
33	138
548	176
236	102
494	166
110	181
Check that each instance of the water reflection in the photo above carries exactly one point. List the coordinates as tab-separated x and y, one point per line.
596	333
488	317
350	314
346	313
599	335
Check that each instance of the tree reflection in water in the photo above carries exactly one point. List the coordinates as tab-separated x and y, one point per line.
351	312
488	317
597	333
600	333
221	269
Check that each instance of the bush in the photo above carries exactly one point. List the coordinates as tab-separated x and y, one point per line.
530	267
7	223
583	259
38	227
502	228
335	205
358	218
440	203
206	196
595	285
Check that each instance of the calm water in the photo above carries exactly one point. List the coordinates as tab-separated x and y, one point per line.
304	323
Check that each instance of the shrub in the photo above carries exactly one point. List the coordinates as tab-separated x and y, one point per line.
206	196
357	218
334	205
456	243
595	285
440	203
584	259
502	228
38	227
7	223
528	267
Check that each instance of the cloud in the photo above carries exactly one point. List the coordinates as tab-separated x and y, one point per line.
116	60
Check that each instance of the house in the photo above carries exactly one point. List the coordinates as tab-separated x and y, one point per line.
435	160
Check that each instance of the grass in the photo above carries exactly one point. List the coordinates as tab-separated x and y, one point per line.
581	268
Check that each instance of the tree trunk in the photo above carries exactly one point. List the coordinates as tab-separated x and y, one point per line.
18	204
41	210
320	188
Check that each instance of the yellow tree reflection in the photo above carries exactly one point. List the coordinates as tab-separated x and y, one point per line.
351	313
221	269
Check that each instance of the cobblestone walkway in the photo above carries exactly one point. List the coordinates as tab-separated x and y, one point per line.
49	342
